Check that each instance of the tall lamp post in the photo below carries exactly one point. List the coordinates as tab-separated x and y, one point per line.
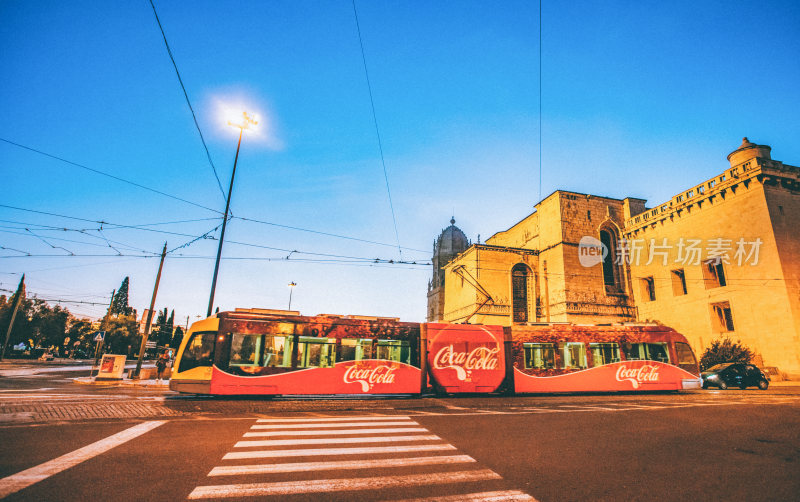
291	289
247	122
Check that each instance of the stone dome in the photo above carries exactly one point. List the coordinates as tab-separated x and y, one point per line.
448	245
451	242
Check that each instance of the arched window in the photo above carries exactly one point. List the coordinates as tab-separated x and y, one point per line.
519	292
612	273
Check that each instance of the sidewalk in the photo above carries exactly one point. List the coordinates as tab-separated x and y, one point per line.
127	382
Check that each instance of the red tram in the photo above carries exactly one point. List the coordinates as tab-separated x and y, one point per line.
269	352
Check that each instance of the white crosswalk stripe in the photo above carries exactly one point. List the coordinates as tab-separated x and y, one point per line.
436	463
234	470
332	419
317	452
333	425
335	432
369	439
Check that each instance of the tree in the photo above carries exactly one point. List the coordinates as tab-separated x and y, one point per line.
165	333
725	351
155	329
119	304
81	336
37	324
176	338
122	334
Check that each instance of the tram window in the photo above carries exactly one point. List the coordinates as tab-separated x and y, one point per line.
685	354
604	353
539	355
657	352
634	351
574	355
394	350
199	351
364	349
245	349
315	352
277	351
347	350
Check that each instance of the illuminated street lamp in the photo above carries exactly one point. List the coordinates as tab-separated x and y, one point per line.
245	122
291	288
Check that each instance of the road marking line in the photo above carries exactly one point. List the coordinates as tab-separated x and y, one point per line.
512	495
27	390
332	419
335	432
368	439
314	452
330	485
17	482
330	426
236	470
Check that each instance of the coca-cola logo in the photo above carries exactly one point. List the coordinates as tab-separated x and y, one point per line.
368	376
464	363
637	376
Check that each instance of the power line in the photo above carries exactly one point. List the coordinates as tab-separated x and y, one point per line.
186	95
323	233
97	171
540	100
208	208
377	131
193	237
100	222
342	260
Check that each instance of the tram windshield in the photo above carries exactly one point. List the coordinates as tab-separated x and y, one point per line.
199	351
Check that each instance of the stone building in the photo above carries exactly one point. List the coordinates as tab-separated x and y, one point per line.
450	243
721	258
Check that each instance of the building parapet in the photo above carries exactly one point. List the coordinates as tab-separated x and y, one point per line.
718	185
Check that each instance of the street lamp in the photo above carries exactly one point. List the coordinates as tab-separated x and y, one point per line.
291	288
246	122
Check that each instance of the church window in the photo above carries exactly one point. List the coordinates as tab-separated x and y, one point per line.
678	282
722	317
612	274
519	291
648	289
714	274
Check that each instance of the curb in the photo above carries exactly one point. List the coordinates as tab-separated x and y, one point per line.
123	382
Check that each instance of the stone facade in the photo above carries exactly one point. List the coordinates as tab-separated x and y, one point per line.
721	258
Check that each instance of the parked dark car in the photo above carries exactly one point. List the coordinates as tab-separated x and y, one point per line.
735	374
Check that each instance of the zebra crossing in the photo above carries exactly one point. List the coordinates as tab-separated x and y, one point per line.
334	457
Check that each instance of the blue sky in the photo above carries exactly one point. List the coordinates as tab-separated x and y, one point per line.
639	99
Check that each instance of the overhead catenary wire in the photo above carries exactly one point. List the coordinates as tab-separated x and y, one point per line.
110	225
189	103
289	227
540	100
103	173
377	130
76	164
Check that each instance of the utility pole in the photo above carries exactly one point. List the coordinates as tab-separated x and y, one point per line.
17	301
247	123
291	288
150	315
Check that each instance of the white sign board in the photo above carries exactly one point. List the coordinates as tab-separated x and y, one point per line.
111	367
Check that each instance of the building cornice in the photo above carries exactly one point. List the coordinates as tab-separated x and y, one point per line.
757	169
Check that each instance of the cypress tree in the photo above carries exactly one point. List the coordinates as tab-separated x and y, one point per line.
158	326
119	305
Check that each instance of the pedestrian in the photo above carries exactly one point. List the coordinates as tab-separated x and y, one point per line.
161	365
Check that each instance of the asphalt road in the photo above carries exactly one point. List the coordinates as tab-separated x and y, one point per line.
703	445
